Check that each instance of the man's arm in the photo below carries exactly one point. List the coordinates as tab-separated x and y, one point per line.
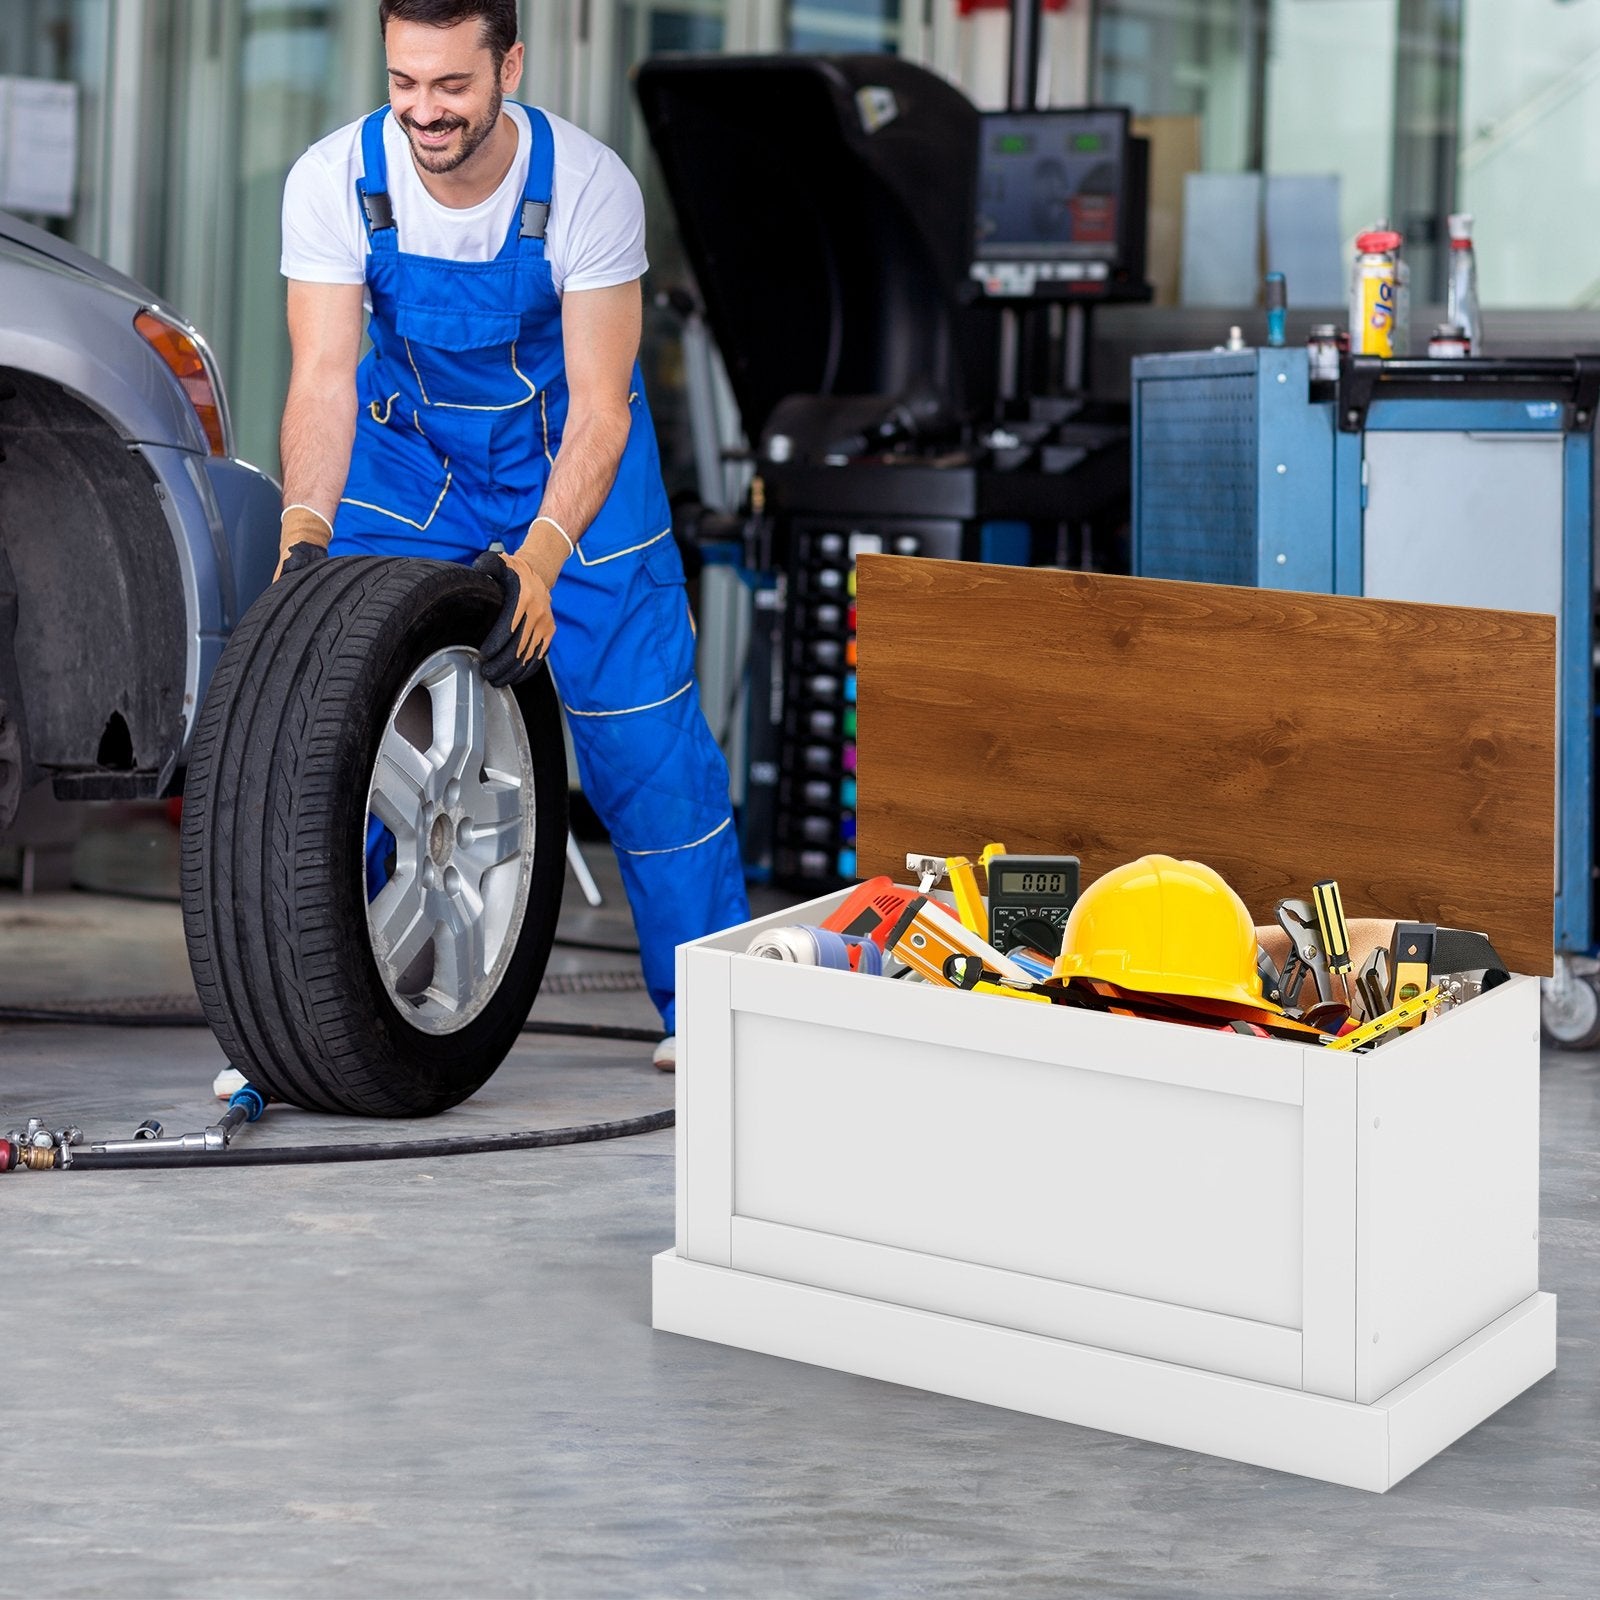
600	340
319	415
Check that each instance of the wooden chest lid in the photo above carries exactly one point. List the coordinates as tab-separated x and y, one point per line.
1407	750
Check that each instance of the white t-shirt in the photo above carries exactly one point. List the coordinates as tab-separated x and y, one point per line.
594	238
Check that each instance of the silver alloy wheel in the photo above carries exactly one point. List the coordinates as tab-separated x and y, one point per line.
453	782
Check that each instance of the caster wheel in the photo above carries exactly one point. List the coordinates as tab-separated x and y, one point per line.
1569	1010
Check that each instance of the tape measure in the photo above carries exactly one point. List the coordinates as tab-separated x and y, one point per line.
1405	1015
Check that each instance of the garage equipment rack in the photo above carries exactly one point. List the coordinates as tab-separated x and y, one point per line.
1459	482
867	372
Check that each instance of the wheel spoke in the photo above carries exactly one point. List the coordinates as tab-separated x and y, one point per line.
494	828
458	954
401	781
403	918
457	748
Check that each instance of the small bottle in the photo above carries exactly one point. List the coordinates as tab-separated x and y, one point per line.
1449	343
1277	298
1461	291
1322	351
1375	293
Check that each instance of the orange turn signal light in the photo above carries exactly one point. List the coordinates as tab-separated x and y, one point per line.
189	365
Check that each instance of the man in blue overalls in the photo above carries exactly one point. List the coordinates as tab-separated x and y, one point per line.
500	250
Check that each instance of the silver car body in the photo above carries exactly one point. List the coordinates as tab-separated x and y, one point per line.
128	551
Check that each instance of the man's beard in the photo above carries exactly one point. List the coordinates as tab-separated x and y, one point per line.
446	160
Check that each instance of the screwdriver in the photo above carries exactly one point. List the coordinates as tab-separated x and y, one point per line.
1334	931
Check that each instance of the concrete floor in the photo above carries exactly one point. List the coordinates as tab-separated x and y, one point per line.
438	1377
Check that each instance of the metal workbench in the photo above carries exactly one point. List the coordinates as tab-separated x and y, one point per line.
1459	482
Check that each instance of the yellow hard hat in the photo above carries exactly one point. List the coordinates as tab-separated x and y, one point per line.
1164	926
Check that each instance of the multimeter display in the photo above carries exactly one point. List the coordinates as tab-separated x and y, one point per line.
1030	899
1049	884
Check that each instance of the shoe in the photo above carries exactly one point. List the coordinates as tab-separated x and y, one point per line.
228	1083
665	1058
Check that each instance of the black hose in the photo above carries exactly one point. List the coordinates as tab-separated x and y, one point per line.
299	1155
193	1019
597	944
100	1019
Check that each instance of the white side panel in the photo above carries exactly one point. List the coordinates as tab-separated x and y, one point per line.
705	1106
1330	1223
1014	1300
680	1098
1472	1382
1100	1178
1448	1161
1128	1047
1157	1400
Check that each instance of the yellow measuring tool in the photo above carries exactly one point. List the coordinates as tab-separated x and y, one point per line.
969	903
1404	1013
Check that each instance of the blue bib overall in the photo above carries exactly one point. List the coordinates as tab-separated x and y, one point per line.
461	404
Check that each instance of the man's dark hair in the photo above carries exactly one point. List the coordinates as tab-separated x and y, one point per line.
498	19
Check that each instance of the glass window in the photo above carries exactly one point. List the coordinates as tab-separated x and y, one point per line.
1529	162
645	29
67	41
255	85
814	27
1188	58
1417	107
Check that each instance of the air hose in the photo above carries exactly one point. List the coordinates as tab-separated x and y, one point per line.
92	1016
41	1150
65	1151
150	1153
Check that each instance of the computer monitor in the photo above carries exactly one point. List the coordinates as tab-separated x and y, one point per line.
1054	211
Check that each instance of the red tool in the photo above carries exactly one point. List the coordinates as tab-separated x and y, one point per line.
871	912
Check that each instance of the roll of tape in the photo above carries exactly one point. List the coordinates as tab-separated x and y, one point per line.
815	947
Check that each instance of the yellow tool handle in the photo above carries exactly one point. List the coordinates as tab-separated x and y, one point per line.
969	903
1334	931
1036	995
1390	1020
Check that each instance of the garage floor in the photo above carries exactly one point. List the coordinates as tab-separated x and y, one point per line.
438	1377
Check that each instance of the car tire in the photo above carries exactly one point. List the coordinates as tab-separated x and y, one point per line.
350	692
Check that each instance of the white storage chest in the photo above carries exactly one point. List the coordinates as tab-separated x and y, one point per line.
1313	1261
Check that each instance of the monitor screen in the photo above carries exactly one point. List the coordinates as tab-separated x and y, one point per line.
1050	185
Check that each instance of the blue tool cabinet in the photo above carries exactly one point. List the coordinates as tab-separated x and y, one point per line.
1460	482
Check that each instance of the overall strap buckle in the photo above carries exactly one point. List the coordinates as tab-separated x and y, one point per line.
535	214
378	210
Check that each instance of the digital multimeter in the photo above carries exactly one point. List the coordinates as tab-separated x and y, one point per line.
1030	898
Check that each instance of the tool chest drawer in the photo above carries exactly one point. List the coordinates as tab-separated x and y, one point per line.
1316	1260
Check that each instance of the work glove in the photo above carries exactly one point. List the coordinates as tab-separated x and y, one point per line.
516	645
303	536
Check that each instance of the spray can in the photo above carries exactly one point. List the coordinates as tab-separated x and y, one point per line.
1461	291
1375	294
